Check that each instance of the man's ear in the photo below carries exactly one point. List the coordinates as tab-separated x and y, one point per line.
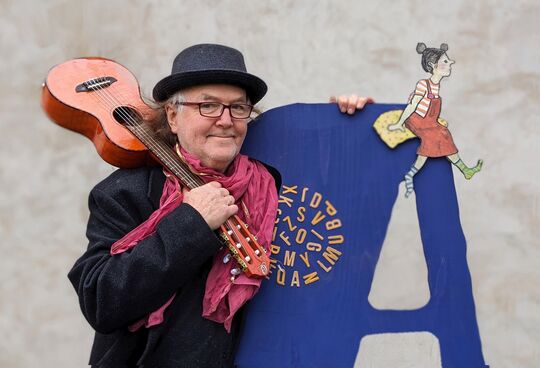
172	113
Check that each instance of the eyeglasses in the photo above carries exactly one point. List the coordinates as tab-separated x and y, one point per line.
215	109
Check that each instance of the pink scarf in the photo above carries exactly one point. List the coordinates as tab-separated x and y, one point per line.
251	185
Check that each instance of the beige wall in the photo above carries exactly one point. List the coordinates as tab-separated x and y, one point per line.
305	50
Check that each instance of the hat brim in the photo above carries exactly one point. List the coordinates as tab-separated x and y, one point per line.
254	86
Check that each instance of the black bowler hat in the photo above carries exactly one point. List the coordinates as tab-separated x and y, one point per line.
209	64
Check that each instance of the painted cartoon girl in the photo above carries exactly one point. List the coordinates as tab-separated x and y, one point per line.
422	113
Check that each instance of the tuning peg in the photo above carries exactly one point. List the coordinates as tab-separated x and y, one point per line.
248	258
227	258
257	252
235	271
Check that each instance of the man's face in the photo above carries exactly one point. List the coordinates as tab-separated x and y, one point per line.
215	141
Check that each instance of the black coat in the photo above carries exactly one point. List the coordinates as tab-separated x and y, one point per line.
116	291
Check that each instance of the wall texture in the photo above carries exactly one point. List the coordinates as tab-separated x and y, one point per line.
305	51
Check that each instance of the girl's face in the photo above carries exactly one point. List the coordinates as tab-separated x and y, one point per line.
443	66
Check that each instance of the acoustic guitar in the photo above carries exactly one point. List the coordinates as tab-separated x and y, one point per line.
101	99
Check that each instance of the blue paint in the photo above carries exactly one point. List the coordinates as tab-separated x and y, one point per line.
321	324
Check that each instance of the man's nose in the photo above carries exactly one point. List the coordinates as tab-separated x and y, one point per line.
225	119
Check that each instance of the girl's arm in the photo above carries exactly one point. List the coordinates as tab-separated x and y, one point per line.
411	107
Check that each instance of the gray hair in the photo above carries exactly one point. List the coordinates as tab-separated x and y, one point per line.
175	100
159	123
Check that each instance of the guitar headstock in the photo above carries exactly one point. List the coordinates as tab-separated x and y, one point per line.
244	247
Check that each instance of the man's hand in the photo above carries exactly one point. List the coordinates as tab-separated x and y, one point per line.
213	202
349	104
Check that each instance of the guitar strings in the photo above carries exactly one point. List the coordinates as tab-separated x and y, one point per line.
166	155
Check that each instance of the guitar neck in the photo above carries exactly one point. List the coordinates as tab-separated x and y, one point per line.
165	154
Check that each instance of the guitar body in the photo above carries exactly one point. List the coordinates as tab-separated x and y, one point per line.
73	98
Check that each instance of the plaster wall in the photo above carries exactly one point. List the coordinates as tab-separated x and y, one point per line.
305	51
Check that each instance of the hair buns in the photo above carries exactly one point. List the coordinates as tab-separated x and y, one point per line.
421	47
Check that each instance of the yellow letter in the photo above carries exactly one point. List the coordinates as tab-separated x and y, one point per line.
280	277
313	247
334	224
304	191
287	201
310	277
301	236
305	257
331	255
317	234
284	238
324	267
278	215
287	219
301	211
287	189
317	218
295	279
289	258
330	209
336	239
315	200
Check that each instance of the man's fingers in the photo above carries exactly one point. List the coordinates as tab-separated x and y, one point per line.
363	101
230	200
232	210
351	103
342	102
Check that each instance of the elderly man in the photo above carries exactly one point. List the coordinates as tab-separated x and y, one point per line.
152	282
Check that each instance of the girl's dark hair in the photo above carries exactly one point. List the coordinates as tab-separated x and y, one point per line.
430	55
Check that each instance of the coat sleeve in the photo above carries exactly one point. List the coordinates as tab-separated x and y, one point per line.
115	291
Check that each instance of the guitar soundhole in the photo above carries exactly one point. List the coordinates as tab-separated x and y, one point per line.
126	115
